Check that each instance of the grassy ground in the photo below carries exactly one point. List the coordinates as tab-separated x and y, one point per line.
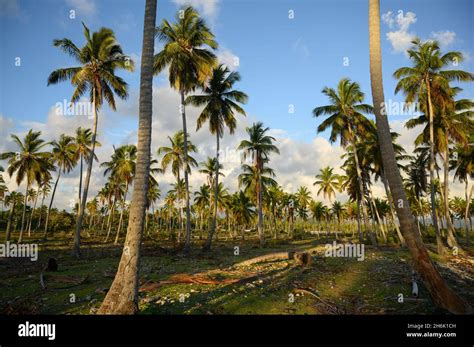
327	286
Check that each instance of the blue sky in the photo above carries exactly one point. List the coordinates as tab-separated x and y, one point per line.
283	61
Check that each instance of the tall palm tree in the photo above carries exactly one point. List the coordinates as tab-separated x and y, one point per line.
83	141
424	82
347	122
122	297
3	187
63	157
328	183
242	209
98	58
220	102
28	163
190	63
202	201
441	293
259	146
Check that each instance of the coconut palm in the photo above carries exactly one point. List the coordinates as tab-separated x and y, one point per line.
125	284
220	102
442	295
29	164
202	201
98	58
174	155
83	142
347	122
328	183
63	157
209	169
13	199
425	82
242	209
3	187
190	63
259	146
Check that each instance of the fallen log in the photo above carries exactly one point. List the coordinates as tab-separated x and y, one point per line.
72	281
304	258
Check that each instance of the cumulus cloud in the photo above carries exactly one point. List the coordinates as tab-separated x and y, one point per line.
208	8
401	37
229	58
444	37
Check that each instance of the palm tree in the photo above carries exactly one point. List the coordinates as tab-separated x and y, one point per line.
3	187
242	209
328	183
174	155
190	64
347	122
122	297
122	167
442	295
425	81
202	201
83	142
220	102
63	156
98	59
28	163
45	189
259	146
209	169
13	199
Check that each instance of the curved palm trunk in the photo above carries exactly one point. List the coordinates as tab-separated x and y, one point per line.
187	242
80	180
51	205
207	245
41	211
442	295
24	212
76	251
119	229
122	298
109	221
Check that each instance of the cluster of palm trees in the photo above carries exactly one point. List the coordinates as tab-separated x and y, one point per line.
371	154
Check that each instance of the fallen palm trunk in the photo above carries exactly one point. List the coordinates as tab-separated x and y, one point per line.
71	280
196	279
303	258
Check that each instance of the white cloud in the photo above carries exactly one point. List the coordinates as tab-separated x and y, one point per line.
445	38
227	57
209	8
401	37
83	7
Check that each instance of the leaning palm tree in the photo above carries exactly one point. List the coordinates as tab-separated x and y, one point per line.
347	122
328	183
29	164
122	297
13	199
190	63
220	102
259	146
424	82
64	159
442	295
98	58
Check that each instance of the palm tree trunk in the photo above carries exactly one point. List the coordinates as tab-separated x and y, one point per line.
442	295
466	212
119	229
41	211
24	211
122	298
207	245
439	240
452	242
392	209
33	211
261	233
51	205
9	223
76	251
187	242
110	220
80	181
